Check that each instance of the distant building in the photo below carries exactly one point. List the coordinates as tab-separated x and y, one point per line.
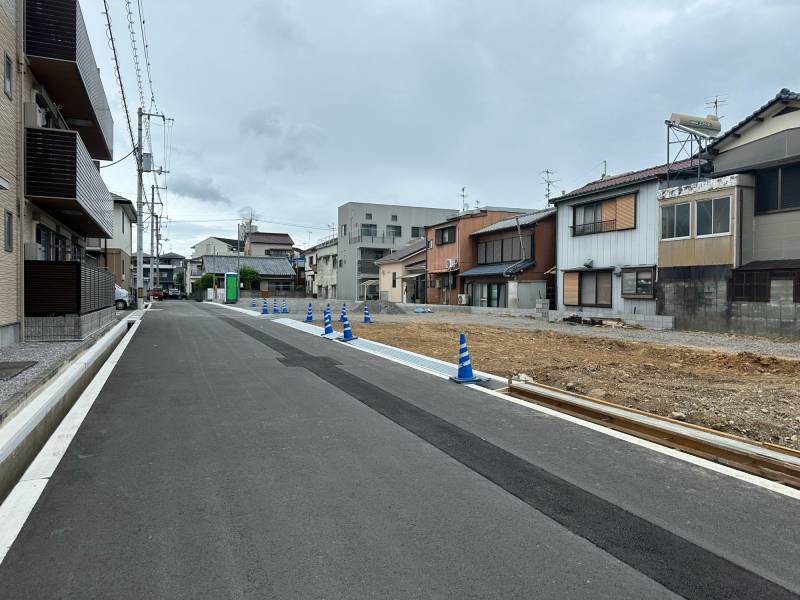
368	232
515	262
169	265
451	251
262	243
115	254
402	274
321	268
277	274
220	246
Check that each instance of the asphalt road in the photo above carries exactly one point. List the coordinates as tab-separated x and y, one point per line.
232	457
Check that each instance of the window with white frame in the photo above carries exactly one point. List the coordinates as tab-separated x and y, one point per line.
714	216
675	221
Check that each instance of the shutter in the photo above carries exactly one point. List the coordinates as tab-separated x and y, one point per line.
626	211
609	213
571	288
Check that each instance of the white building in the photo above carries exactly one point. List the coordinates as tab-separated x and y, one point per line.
607	245
321	268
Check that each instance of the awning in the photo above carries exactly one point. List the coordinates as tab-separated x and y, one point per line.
413	276
771	265
488	270
369	282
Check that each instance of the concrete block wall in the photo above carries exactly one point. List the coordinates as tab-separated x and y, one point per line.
66	327
698	297
658	322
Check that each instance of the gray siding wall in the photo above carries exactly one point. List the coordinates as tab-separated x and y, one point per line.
633	247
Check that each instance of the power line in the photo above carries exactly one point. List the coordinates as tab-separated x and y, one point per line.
116	162
228	220
117	72
146	48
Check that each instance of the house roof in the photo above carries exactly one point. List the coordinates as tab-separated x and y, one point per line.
784	95
405	252
265	237
325	244
230	241
511	223
127	206
770	265
476	212
265	265
613	181
172	255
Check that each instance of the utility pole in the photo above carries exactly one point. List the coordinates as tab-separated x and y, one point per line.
152	240
140	219
548	181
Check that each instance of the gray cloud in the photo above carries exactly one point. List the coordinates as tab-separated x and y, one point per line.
203	189
286	146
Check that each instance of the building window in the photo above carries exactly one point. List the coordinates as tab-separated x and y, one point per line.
675	221
9	74
368	216
8	230
637	283
587	288
369	229
394	218
394	231
123	222
714	216
778	189
614	214
341	262
394	279
505	250
416	232
446	235
751	286
344	229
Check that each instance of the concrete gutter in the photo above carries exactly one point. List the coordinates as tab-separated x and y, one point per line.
23	434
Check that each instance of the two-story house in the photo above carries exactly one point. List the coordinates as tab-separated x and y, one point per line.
451	251
730	250
368	232
115	253
321	267
607	245
515	258
262	243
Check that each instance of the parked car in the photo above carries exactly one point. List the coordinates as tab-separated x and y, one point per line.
174	293
156	293
120	298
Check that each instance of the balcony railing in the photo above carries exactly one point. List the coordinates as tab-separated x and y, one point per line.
596	227
55	288
62	179
368	267
61	58
373	239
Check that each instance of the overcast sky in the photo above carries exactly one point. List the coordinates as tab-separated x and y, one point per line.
293	107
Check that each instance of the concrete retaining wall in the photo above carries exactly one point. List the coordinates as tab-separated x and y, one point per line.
67	327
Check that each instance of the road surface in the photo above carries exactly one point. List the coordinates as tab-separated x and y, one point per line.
231	457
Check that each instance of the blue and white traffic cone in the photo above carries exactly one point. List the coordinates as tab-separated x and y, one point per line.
264	308
309	314
284	308
343	316
367	318
275	309
327	308
328	324
348	333
465	374
252	303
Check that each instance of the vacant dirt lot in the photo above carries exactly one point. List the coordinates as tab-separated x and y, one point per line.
742	393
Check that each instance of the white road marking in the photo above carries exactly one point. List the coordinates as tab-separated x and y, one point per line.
689	458
20	501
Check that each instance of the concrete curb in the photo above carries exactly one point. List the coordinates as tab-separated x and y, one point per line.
23	434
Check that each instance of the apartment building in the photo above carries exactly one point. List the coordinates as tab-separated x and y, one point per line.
11	313
65	128
368	232
115	253
451	251
729	256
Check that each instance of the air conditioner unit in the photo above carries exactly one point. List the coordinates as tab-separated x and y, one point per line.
34	251
463	299
452	263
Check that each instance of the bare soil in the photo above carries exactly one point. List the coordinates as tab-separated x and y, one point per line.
752	395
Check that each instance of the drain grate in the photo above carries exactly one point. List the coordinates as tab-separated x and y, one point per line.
9	370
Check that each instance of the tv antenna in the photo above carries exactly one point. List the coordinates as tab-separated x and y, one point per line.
548	182
463	194
715	102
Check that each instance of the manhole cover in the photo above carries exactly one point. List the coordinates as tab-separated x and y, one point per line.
9	370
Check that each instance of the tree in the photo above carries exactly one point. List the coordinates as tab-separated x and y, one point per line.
249	276
206	281
180	280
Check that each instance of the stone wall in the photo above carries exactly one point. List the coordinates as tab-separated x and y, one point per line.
67	327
